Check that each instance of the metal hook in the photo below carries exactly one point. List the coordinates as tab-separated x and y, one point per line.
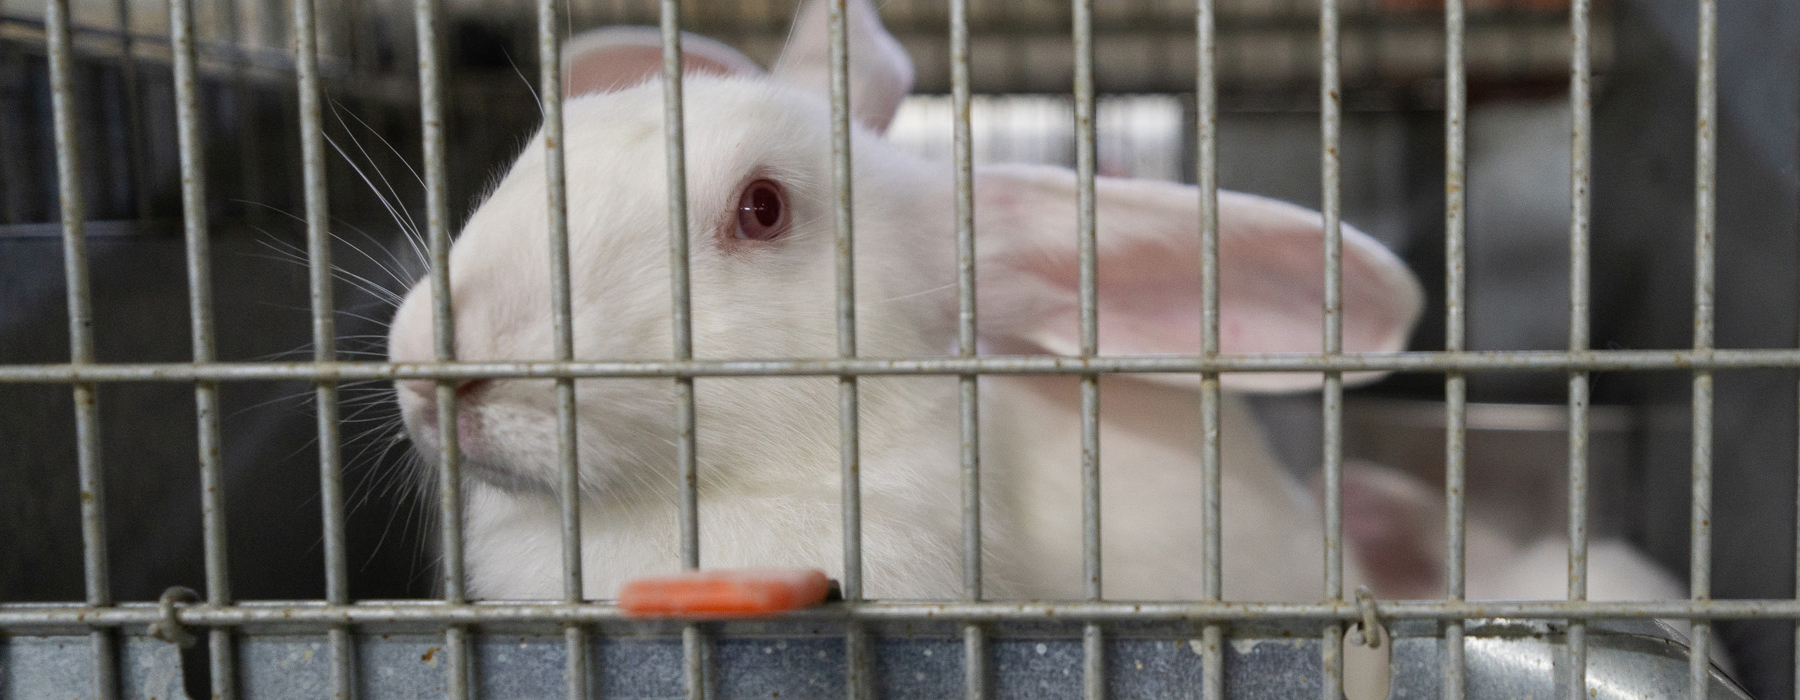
166	627
1365	599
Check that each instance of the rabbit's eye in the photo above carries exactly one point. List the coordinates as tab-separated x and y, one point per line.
762	211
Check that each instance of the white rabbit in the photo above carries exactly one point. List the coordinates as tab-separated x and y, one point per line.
1396	524
760	201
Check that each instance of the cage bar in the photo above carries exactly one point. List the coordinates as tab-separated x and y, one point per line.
1093	643
849	437
91	473
431	116
1332	442
556	210
1580	152
337	614
969	397
693	643
1706	100
437	611
1456	385
200	311
324	338
1206	173
1412	361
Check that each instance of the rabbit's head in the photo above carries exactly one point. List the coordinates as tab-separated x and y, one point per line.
761	244
762	254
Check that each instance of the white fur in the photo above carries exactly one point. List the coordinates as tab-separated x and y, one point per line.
768	448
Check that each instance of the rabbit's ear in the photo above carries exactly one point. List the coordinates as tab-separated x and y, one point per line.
880	71
1271	284
1395	526
615	58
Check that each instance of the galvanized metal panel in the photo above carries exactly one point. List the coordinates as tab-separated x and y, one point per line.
61	666
790	659
800	661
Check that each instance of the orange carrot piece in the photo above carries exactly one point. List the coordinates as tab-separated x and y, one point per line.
725	593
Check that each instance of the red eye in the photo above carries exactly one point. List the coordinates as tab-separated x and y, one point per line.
762	211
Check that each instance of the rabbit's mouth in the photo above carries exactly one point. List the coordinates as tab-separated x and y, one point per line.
476	462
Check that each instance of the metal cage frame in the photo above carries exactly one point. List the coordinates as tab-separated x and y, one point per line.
220	614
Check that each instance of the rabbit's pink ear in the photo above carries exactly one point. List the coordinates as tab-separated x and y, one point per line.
615	58
1395	525
1271	285
880	71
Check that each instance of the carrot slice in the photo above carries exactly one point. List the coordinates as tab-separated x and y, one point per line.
725	593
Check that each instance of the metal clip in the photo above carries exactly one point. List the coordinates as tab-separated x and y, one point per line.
166	627
1369	630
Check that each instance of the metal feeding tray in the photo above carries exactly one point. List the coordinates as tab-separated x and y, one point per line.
1505	659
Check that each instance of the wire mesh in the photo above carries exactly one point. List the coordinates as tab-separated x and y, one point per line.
575	612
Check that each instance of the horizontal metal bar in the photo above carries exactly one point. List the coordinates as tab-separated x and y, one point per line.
1526	360
39	616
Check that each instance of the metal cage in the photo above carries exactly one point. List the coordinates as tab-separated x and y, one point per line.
456	647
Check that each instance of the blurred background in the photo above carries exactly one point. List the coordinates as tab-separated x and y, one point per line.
1393	155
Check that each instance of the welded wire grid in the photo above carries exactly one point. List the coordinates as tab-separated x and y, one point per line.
220	614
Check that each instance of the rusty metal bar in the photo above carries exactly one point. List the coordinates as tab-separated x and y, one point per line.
1456	384
1434	362
220	646
849	437
568	458
437	611
324	338
1706	101
92	474
1330	126
1093	642
1580	154
969	398
1206	171
428	26
681	322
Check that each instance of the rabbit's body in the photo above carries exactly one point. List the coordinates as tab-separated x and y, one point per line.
762	257
1150	497
911	525
768	447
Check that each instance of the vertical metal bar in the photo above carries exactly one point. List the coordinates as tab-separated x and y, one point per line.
325	393
969	406
681	320
849	438
676	152
1580	152
557	212
1206	170
1330	123
550	90
437	220
1706	101
136	158
846	296
1455	331
200	311
81	343
1094	664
